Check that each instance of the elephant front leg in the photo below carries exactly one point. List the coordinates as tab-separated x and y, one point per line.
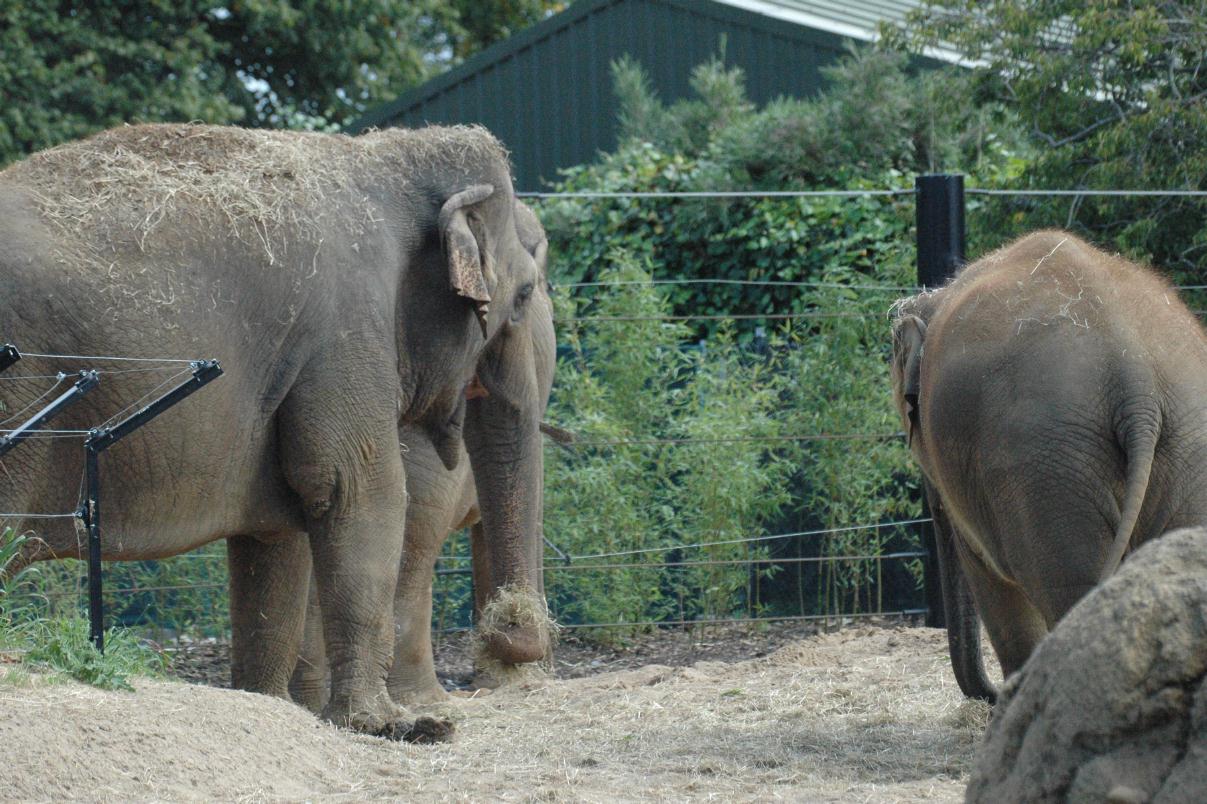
352	492
413	676
267	604
357	571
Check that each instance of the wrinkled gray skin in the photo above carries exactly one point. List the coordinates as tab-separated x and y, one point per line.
443	501
347	285
1055	398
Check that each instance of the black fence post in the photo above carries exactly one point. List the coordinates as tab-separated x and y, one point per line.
940	210
99	440
91	514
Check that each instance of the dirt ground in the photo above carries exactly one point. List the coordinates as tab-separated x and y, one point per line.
862	713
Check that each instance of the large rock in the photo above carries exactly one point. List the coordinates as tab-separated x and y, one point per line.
1112	706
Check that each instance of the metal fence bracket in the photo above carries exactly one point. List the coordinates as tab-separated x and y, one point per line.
99	440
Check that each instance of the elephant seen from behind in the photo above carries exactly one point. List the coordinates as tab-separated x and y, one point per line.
1055	398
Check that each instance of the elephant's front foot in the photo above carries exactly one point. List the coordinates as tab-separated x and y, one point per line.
383	718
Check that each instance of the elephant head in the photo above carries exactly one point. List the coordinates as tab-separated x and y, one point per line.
502	435
492	278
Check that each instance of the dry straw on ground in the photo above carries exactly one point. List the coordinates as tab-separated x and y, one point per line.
855	715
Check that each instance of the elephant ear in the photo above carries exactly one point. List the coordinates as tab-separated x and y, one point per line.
469	270
909	338
532	235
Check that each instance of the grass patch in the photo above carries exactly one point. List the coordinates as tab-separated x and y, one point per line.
63	646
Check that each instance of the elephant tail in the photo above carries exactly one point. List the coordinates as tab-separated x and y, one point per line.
1138	432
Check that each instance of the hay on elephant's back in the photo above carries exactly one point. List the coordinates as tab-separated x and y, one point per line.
128	180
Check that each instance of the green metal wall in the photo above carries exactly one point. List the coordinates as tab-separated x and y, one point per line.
547	92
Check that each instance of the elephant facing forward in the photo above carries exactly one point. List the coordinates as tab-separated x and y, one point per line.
347	285
1055	398
444	500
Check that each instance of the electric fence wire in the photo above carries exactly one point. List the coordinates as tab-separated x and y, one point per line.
720	317
902	191
832	617
738	282
108	358
746	540
58	381
593	194
730	440
116	417
22	515
1115	193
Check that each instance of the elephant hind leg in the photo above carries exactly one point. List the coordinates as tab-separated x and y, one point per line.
311	682
412	678
1014	624
268	604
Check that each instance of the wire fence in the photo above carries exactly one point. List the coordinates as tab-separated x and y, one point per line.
607	561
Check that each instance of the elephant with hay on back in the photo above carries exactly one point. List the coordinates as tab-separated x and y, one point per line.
347	285
508	578
1055	398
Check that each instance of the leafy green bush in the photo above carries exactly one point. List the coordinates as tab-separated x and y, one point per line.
920	122
680	483
62	644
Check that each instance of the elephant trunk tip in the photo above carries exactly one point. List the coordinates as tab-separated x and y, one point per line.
515	627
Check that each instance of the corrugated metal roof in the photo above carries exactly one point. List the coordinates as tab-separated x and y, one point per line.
854	18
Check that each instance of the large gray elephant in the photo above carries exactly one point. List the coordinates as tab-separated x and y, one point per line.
347	285
1055	398
442	501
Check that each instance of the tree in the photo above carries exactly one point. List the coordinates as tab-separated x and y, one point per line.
481	24
70	69
1114	93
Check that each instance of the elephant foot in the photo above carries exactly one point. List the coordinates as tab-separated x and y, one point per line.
387	720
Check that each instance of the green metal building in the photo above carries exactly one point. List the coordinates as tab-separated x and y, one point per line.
547	91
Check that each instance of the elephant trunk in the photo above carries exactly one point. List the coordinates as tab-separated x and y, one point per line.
505	451
963	623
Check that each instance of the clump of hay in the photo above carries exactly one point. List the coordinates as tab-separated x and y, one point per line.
511	607
265	186
970	717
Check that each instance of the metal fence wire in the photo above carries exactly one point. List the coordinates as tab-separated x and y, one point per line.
940	228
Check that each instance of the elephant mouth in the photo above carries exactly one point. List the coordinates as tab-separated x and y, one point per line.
474	389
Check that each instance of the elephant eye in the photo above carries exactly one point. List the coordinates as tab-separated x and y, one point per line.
521	302
525	294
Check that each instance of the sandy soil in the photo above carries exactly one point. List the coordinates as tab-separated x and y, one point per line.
863	713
